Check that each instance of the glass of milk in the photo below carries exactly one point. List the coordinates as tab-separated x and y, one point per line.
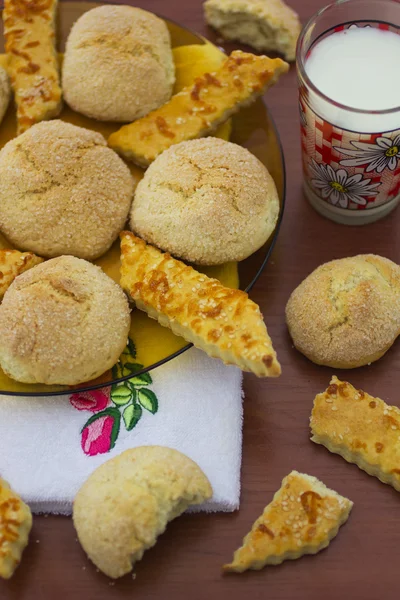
348	63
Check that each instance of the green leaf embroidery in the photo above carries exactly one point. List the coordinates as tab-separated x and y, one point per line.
126	395
132	367
120	370
141	380
121	394
148	400
117	371
131	348
115	429
131	415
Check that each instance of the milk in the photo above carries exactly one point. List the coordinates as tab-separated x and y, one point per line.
359	68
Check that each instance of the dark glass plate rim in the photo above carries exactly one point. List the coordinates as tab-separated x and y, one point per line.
170	357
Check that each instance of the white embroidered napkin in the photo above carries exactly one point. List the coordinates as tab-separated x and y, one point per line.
49	446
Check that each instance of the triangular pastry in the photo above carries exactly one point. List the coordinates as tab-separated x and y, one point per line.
303	517
12	264
223	322
199	109
364	430
15	526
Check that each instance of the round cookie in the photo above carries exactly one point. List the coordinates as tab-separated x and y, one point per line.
5	92
63	191
346	314
206	201
118	64
63	322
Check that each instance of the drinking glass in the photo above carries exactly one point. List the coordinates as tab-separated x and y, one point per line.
351	157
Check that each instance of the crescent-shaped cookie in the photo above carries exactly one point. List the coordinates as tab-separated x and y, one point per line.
127	502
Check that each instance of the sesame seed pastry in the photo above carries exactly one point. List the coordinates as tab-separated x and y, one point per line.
266	25
223	322
29	30
346	314
127	502
197	110
303	517
15	526
364	430
12	264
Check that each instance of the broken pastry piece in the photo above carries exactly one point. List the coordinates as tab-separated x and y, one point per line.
15	526
198	110
364	430
303	517
266	25
12	264
223	322
29	29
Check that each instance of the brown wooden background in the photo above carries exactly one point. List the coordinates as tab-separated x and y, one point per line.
362	562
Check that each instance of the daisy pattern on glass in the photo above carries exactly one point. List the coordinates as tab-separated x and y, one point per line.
338	188
384	154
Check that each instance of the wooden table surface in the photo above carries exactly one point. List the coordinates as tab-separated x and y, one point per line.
361	563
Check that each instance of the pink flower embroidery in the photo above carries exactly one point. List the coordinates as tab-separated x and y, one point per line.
122	403
97	436
94	401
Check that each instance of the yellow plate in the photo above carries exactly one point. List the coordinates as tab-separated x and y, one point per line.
151	344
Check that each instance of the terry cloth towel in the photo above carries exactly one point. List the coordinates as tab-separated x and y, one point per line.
49	446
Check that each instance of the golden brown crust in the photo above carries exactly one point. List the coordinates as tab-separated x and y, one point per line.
128	501
223	322
29	29
347	312
15	526
266	25
364	430
302	518
12	264
197	110
206	201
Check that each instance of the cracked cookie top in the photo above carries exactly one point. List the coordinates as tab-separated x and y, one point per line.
346	314
118	64
63	191
62	322
206	201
